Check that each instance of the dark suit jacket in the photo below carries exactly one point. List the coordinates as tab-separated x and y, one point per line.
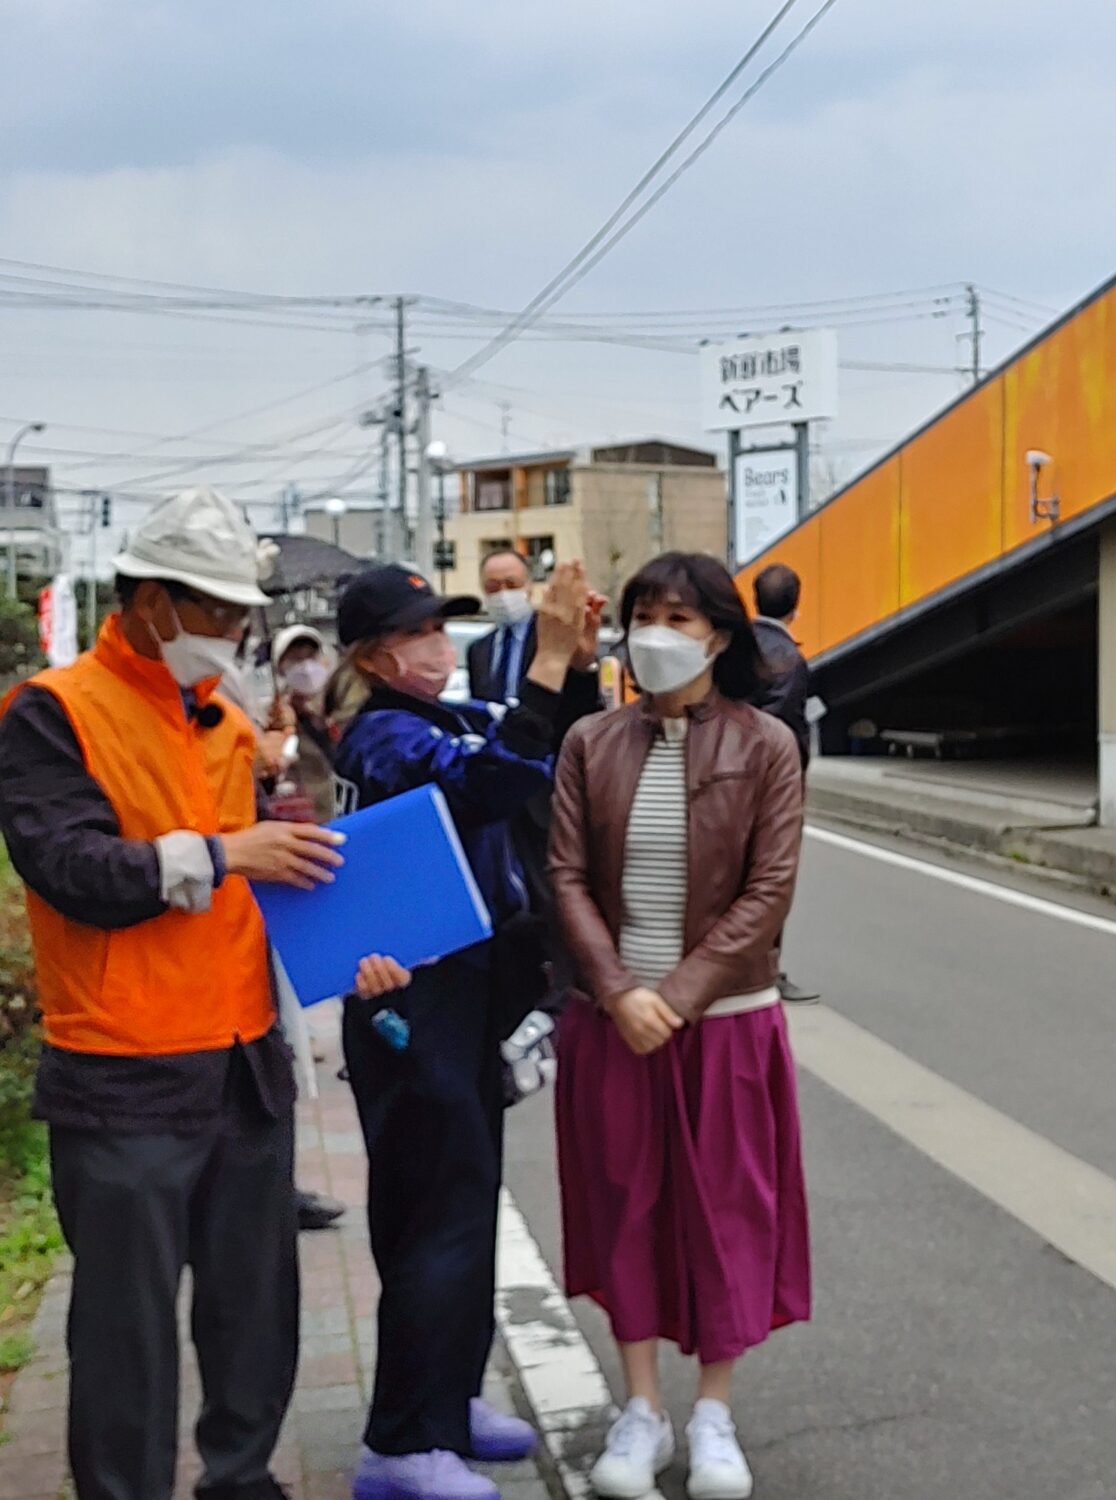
480	654
784	696
531	827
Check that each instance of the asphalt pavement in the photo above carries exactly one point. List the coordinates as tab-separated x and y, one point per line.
956	1349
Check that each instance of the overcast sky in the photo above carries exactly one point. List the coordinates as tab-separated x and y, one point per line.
464	151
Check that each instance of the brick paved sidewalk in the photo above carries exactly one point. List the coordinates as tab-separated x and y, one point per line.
321	1439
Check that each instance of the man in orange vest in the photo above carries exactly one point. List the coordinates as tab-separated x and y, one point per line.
127	801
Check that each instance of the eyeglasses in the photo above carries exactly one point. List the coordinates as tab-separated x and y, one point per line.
225	617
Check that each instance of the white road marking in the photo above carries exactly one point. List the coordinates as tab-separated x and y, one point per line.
559	1372
1069	1203
1065	1201
972	883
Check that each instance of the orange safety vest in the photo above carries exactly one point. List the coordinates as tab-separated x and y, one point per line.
181	982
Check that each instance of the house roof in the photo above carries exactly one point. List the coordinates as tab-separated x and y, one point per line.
653	450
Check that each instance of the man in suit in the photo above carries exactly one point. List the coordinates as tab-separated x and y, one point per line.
499	661
777	592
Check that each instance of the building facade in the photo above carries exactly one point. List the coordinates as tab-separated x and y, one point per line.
613	507
30	524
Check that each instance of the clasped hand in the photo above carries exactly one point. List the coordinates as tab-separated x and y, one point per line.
644	1020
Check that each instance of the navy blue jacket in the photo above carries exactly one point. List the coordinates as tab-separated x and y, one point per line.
488	764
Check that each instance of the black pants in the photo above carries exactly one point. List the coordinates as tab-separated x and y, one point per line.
432	1119
136	1209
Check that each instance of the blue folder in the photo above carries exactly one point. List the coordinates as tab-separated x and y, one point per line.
406	890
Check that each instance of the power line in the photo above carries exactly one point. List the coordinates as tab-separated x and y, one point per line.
609	235
943	293
1037	308
252	411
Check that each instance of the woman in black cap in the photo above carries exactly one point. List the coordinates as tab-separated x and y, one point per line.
431	1113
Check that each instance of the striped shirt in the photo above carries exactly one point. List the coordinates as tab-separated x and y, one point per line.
652	934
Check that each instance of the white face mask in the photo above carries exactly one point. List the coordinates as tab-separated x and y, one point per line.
307	678
665	660
509	606
191	659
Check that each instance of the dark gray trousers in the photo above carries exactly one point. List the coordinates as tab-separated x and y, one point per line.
135	1210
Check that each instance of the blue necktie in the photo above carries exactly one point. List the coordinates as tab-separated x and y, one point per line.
501	661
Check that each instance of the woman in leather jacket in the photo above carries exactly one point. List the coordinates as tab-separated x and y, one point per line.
674	849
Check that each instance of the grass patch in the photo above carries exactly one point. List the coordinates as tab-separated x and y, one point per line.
15	1350
29	1235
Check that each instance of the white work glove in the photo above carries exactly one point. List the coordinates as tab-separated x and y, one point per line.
530	1060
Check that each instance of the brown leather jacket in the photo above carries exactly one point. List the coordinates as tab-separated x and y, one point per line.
744	783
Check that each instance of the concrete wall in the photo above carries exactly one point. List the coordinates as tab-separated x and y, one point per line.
608	523
618	517
356	532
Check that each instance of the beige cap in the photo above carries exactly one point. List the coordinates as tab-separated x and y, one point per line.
289	635
198	538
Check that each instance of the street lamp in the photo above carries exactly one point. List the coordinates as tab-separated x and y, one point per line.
10	497
336	507
437	456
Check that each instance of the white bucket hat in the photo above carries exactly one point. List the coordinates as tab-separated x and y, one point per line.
200	539
289	635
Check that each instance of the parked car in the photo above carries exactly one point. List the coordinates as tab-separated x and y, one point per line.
462	633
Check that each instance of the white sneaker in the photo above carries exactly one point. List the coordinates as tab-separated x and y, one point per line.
718	1468
639	1447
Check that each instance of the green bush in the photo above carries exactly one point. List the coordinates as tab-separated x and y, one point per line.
19	639
21	1138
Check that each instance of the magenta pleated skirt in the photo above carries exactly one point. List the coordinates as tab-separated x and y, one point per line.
683	1199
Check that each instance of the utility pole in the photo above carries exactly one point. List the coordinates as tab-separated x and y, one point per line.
424	517
505	424
401	413
976	333
382	529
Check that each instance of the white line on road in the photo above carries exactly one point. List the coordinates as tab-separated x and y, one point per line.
973	883
559	1372
1063	1199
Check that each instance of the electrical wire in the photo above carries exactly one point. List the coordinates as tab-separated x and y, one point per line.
613	231
242	416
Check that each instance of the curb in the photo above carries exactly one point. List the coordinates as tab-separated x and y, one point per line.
1077	855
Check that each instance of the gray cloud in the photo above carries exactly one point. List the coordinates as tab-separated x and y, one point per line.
466	150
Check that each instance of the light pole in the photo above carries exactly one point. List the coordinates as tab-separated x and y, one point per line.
10	498
437	456
336	507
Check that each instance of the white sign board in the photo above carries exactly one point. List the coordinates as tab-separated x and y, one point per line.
768	379
766	501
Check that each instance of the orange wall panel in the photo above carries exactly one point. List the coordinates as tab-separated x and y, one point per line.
1060	398
952	503
800	550
957	495
859	575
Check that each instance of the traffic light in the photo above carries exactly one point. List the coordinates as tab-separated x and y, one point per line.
106	510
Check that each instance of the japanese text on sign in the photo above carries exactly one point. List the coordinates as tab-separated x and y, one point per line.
769	379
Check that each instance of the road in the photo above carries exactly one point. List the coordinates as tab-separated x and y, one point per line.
960	1121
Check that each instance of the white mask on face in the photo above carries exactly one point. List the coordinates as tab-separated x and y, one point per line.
191	659
665	660
509	606
307	678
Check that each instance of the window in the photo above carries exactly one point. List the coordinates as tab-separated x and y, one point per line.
557	487
492	490
540	555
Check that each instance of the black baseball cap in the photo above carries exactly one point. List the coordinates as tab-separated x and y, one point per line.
388	598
